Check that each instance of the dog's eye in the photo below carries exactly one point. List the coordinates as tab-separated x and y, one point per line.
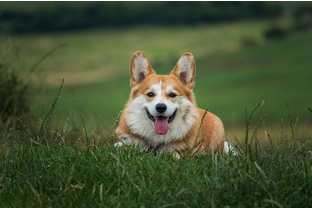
172	95
150	94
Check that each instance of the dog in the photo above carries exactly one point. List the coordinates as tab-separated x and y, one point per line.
161	114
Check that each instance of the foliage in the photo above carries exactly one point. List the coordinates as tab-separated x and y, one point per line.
303	18
274	33
14	90
64	16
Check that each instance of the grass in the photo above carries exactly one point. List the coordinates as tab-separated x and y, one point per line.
109	51
228	78
66	157
46	174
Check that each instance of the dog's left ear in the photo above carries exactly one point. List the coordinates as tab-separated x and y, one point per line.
185	70
139	68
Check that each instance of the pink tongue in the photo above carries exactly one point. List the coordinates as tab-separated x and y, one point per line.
161	125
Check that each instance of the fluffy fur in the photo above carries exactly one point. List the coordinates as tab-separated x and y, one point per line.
161	113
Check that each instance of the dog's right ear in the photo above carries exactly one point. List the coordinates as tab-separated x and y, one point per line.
139	68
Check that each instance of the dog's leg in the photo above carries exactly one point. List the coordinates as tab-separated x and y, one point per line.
142	145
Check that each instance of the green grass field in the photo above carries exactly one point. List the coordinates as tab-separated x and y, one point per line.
230	77
65	158
36	173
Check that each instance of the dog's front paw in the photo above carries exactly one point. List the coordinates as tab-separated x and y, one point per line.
123	142
118	144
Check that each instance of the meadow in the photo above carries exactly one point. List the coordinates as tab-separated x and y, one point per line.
65	157
230	76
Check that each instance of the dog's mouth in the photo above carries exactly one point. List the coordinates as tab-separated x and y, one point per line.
161	123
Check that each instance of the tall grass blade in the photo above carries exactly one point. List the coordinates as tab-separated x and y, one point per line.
292	128
198	132
84	126
49	53
259	121
248	119
50	112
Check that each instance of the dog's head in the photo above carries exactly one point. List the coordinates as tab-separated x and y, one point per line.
161	104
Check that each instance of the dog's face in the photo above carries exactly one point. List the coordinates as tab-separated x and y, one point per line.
161	106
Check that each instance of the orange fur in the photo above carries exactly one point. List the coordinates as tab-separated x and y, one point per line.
198	136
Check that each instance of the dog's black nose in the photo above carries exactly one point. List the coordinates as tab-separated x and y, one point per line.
160	107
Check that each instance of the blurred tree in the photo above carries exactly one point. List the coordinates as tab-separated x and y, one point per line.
61	16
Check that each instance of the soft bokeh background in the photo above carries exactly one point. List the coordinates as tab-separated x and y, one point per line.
245	52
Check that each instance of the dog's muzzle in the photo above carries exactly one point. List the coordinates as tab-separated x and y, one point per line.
161	123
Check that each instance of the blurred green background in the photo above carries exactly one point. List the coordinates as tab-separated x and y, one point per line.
245	52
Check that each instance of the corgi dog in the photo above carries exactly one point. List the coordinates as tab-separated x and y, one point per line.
161	114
